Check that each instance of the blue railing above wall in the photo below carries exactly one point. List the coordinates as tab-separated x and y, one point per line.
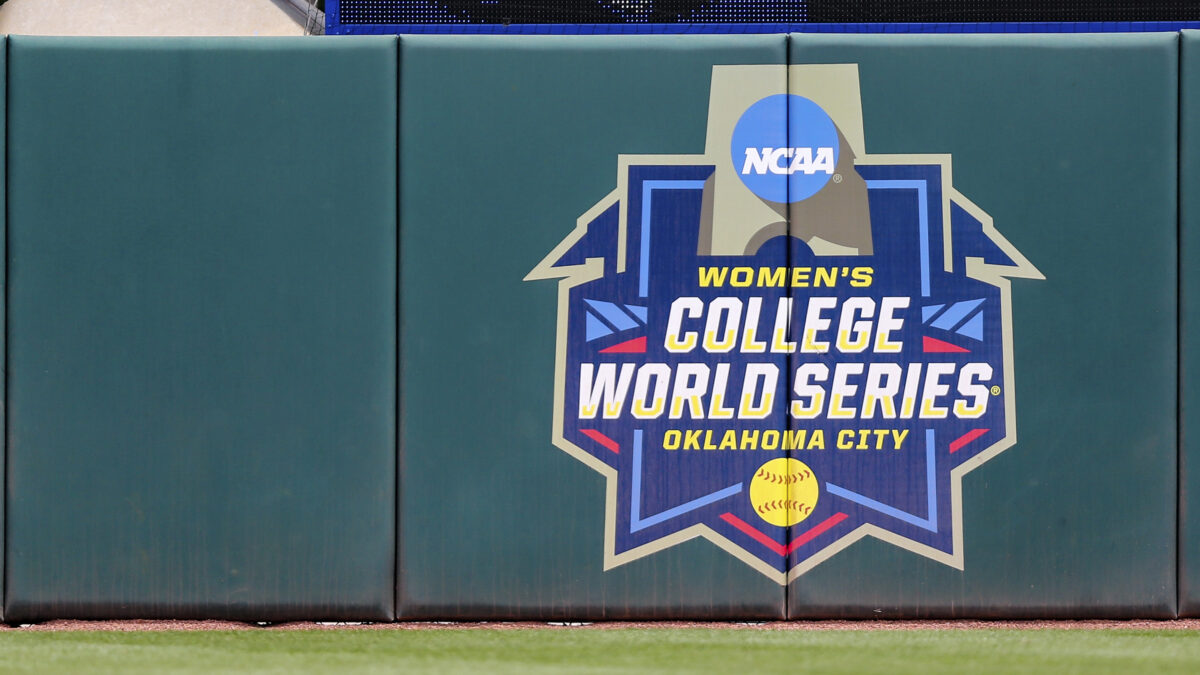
430	16
333	28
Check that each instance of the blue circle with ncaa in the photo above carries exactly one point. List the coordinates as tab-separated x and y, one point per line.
785	148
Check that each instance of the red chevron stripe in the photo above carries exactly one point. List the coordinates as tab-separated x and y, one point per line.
823	527
966	438
634	346
601	439
939	347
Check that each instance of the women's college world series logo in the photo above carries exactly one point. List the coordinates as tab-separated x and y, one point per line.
784	344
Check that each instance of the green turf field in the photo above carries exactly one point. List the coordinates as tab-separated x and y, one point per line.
743	652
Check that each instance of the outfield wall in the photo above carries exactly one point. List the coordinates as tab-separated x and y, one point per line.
292	326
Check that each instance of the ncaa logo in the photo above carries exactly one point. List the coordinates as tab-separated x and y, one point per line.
785	148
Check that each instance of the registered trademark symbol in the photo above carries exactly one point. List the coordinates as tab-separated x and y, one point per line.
837	177
995	390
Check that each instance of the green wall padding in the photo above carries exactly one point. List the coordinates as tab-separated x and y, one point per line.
3	262
1069	143
205	364
1189	327
202	324
506	143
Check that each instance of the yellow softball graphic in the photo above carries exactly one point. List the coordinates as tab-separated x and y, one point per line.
783	491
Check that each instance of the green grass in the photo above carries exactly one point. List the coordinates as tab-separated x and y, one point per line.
741	652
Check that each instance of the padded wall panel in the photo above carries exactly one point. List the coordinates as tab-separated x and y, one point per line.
506	143
202	357
1189	325
1069	143
3	259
